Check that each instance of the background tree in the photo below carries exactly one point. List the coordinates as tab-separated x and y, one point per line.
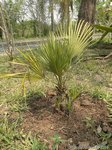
12	13
66	6
36	10
1	32
35	18
51	3
8	35
87	10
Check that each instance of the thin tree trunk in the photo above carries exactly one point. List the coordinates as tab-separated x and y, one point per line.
8	36
1	33
68	13
52	14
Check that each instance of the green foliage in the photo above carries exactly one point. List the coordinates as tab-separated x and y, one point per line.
105	29
30	29
104	17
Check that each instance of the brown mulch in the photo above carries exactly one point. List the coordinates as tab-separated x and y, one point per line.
80	126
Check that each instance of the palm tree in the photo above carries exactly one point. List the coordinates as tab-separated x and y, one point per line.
62	47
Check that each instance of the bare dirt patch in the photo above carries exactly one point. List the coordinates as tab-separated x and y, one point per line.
89	117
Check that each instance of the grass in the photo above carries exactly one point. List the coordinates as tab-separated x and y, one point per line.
12	138
93	76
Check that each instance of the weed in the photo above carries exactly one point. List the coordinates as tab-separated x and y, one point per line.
12	138
69	104
97	93
36	145
89	122
105	136
75	91
8	131
56	141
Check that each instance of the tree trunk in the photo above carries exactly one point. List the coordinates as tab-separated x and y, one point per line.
8	36
0	33
68	13
65	11
87	10
34	28
52	14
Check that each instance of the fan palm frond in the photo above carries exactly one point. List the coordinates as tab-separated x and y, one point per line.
61	47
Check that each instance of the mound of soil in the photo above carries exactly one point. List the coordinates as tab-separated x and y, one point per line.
83	126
